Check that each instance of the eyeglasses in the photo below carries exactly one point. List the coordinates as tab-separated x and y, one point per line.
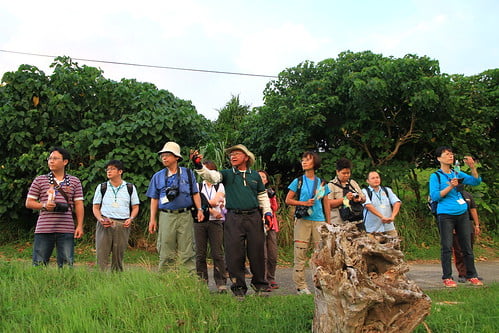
237	153
53	159
165	155
111	169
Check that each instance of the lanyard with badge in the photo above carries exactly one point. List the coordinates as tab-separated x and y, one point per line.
115	204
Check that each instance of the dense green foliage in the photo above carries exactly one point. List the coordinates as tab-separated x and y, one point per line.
384	113
95	118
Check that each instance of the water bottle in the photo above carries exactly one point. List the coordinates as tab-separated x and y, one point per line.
457	166
51	194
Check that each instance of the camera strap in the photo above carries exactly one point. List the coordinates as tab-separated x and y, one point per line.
58	187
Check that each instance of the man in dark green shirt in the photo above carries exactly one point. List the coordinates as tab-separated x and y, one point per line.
244	227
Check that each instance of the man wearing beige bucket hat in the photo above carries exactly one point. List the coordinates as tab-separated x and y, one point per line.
174	193
243	230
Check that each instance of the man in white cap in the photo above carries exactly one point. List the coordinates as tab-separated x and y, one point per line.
174	192
243	230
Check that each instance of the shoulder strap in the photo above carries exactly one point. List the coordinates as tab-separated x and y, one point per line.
129	187
189	176
298	190
103	189
370	193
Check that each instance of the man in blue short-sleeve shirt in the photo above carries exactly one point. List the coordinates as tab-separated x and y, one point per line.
174	194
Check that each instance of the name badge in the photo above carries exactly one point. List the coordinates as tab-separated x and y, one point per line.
461	201
164	199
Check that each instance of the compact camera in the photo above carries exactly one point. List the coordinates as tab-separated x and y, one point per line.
171	193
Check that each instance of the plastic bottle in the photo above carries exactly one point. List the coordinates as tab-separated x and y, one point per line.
51	194
457	166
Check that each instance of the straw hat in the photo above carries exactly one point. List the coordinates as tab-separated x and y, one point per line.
245	150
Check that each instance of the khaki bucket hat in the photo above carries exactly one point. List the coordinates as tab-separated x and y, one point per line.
245	150
171	147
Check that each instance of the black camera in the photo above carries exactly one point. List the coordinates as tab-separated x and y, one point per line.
301	212
271	192
171	193
355	195
61	207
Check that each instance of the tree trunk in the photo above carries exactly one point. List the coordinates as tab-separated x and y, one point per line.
361	284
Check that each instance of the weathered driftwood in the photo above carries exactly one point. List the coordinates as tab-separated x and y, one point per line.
361	284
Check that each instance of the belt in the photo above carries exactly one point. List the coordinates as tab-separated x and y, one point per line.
113	218
176	211
243	212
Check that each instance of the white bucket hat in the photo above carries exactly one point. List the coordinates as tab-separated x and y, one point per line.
171	147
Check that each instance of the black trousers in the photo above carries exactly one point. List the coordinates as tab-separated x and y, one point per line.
210	232
244	236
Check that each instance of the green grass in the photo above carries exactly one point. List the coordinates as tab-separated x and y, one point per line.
83	299
47	299
465	309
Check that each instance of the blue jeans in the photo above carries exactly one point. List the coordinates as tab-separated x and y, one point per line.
447	224
44	245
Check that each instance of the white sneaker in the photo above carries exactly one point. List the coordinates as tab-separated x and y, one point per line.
303	291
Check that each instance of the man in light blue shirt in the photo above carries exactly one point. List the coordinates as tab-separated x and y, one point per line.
381	206
115	206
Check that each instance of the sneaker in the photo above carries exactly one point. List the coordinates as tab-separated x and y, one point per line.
303	291
449	283
474	281
222	289
274	285
461	279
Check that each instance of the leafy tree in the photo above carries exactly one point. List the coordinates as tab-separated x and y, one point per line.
230	117
97	119
362	105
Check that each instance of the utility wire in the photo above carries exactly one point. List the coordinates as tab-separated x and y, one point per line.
148	66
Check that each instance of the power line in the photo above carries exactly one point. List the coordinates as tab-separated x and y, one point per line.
148	66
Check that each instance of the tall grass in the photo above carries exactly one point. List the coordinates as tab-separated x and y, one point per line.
47	299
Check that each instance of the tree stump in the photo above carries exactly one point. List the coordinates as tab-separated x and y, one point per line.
361	284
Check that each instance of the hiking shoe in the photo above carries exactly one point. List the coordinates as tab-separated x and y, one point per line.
461	279
449	283
274	285
474	281
303	291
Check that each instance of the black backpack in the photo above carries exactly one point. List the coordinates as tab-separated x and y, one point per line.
103	189
432	205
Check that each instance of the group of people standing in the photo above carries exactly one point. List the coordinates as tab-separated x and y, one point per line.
234	211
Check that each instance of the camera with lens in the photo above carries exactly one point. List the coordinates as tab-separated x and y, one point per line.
61	207
355	195
301	211
271	192
171	193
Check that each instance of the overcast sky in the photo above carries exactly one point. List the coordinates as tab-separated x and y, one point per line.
252	36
